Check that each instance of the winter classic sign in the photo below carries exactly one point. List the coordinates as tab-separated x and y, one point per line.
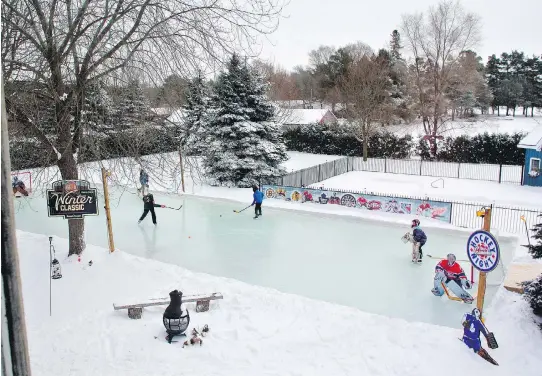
72	199
483	251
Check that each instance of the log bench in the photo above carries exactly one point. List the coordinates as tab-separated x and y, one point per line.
202	304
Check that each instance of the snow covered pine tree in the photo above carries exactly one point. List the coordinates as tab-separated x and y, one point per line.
533	294
245	144
190	130
536	249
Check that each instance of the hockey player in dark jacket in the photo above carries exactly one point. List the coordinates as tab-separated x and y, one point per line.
149	206
418	241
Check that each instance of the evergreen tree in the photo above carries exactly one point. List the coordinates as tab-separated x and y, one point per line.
536	249
98	108
533	294
133	108
190	129
244	143
395	46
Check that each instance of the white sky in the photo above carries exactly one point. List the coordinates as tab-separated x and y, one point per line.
506	25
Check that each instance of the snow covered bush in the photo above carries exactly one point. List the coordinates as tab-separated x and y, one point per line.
333	140
481	148
535	249
244	143
533	294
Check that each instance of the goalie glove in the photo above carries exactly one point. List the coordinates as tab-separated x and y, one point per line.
466	284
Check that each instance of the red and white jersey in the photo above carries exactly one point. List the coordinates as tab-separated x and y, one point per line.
452	271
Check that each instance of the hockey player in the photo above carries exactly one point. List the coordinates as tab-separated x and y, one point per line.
450	273
149	206
144	181
258	199
418	241
472	327
19	186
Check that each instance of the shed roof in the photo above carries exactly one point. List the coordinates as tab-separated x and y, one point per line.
533	140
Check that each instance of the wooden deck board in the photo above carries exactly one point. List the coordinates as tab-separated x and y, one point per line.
518	273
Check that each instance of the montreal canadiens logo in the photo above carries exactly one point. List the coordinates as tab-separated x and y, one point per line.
483	251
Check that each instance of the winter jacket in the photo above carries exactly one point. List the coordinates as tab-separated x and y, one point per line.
454	272
258	197
144	178
419	235
149	202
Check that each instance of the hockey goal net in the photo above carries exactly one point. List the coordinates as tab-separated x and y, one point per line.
25	177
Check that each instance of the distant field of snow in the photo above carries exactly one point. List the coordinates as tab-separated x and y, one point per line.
447	188
483	123
253	331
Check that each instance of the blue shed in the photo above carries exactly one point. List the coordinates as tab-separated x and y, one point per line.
532	143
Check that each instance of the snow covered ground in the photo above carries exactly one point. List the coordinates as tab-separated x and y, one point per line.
448	189
253	331
483	123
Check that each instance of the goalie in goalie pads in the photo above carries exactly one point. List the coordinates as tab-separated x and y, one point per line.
418	240
450	273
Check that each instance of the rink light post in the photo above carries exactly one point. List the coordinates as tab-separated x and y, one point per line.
105	175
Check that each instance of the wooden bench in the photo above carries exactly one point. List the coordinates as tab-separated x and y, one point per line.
202	303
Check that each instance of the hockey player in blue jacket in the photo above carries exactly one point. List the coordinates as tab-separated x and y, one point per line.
472	327
418	241
258	199
144	181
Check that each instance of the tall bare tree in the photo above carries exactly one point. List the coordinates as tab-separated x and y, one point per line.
436	40
366	91
61	47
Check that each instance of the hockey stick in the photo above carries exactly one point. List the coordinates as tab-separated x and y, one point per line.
169	207
444	258
239	211
455	298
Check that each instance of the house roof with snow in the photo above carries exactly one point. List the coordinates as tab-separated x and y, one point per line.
533	140
306	116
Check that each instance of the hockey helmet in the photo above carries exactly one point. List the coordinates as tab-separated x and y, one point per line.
415	223
476	313
451	258
254	188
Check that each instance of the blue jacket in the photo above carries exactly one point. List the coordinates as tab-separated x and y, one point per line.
419	235
258	197
143	178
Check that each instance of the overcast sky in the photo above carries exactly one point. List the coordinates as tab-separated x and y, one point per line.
506	25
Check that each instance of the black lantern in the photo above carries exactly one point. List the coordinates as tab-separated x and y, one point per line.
174	321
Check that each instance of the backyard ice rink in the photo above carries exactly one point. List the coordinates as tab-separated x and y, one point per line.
354	262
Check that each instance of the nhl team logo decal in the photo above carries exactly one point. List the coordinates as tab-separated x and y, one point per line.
483	251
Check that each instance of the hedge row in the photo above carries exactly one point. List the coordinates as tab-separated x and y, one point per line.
322	139
27	154
482	148
317	139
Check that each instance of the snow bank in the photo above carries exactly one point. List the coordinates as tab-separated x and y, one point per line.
450	189
254	330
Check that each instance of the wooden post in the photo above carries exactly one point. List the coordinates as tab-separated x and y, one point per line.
182	168
482	276
105	175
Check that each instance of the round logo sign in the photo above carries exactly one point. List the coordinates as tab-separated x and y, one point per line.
483	251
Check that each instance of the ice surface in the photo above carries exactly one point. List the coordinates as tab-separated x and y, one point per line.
349	261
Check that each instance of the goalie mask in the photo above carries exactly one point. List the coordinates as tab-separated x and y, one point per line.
451	258
476	313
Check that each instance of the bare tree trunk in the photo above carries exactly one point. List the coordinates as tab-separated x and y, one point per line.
76	227
365	142
532	111
498	110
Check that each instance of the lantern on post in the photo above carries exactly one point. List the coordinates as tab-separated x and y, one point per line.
173	319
